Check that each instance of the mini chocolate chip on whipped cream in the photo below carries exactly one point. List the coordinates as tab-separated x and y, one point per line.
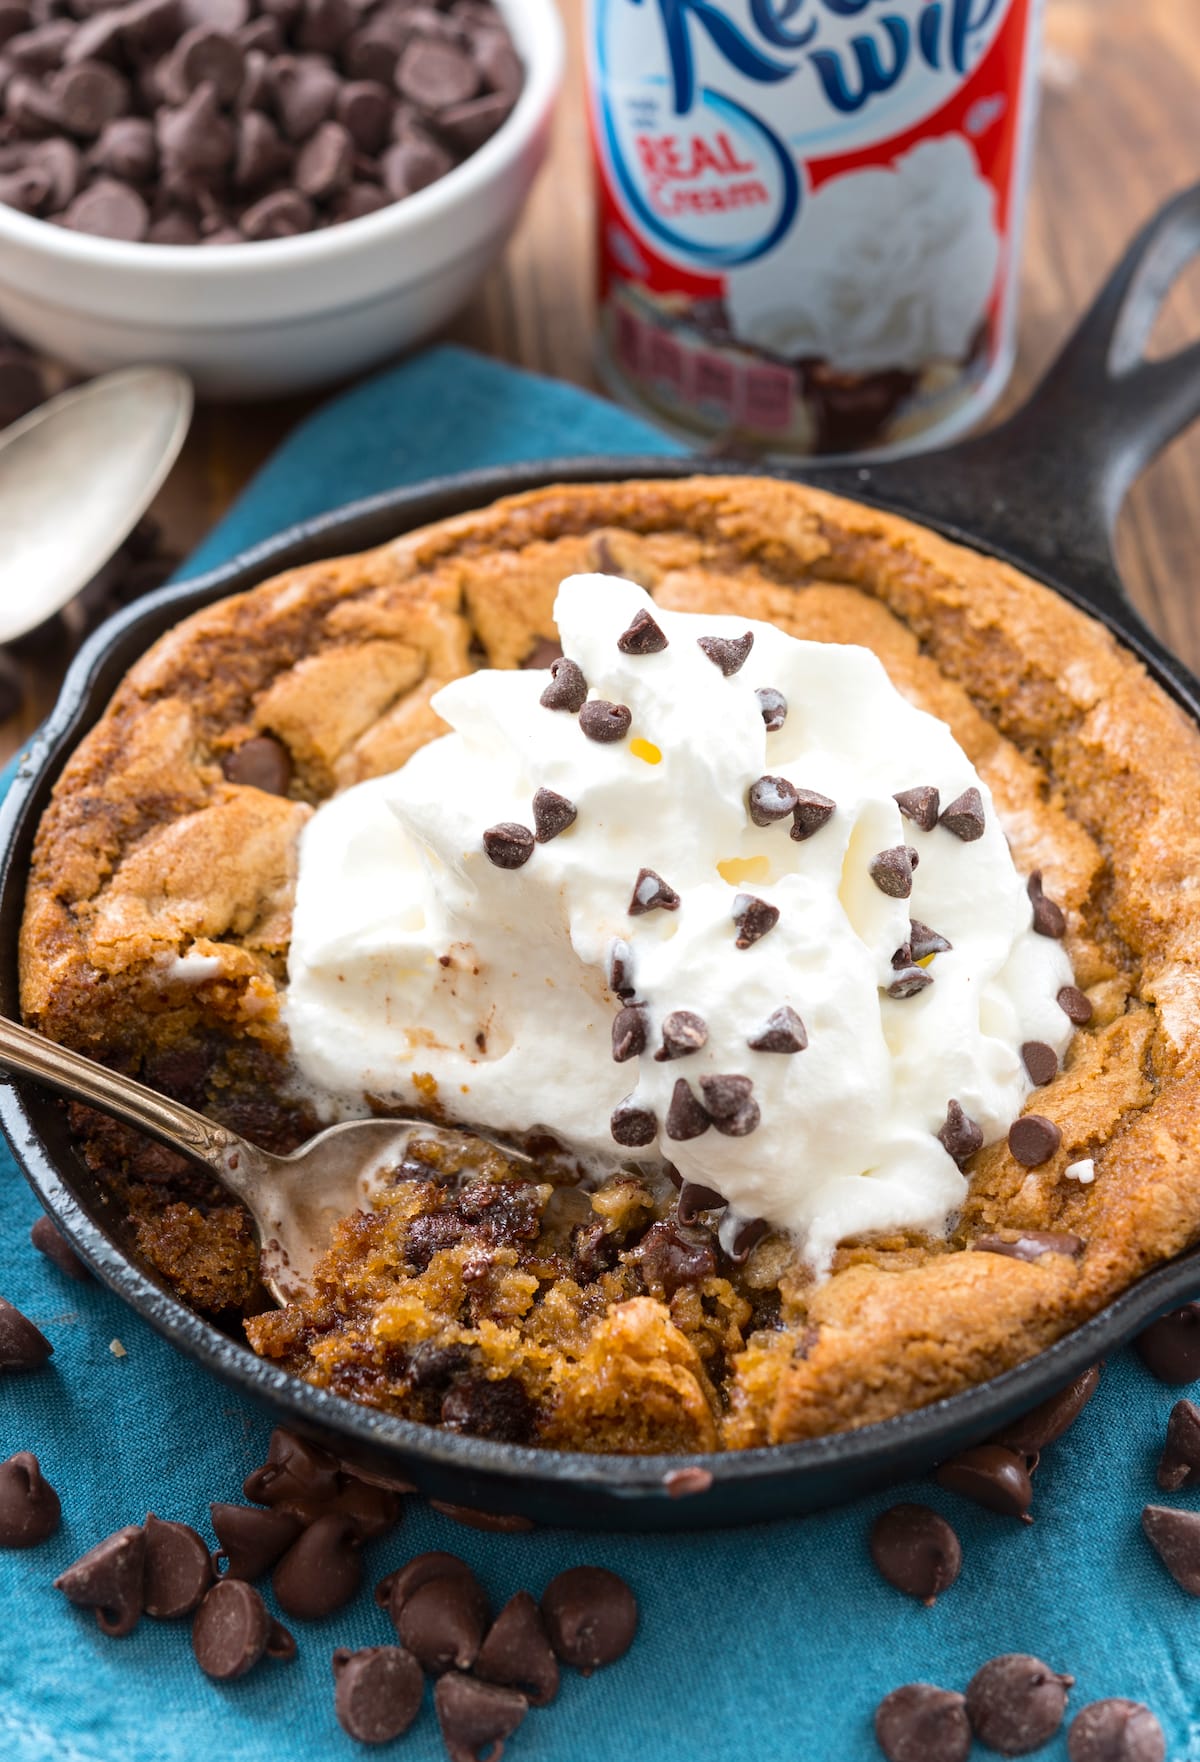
780	943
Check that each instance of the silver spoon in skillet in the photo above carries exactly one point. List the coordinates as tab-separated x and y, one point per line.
295	1200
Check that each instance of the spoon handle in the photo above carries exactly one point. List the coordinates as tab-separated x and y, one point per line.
69	1072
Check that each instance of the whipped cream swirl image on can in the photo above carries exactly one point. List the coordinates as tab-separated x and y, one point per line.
810	212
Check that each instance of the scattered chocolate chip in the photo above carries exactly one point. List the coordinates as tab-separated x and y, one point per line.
233	1630
1016	1703
811	812
652	894
1175	1538
644	636
892	871
1077	1006
321	1571
1051	1418
373	1509
730	654
920	1723
693	1199
685	1117
1041	1061
783	1031
683	1032
1179	1464
1115	1731
770	799
297	1476
619	968
1169	1347
923	942
377	1692
29	1506
552	814
960	1137
108	1579
517	1652
177	1570
753	917
250	1541
22	1346
990	1475
916	1551
774	708
443	1621
629	1032
508	845
909	981
730	1104
605	722
591	1617
1033	1140
964	817
547	649
683	1483
1049	919
48	1241
919	805
631	1126
1031	1244
262	762
474	1715
567	689
393	1591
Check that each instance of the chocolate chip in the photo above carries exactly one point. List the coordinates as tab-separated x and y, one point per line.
990	1475
960	1137
567	689
1169	1347
108	1579
468	125
923	941
508	845
730	1104
604	722
673	1255
651	894
500	1523
730	654
22	1346
920	805
1179	1464
547	649
1175	1538
1077	1006
1016	1703
693	1199
177	1571
377	1692
686	1118
1033	1140
297	1476
489	1407
683	1032
774	708
810	813
909	981
746	1235
1041	1061
475	1716
643	637
325	163
435	75
48	1241
443	1621
281	215
1030	1245
916	1551
262	762
1115	1731
770	799
29	1506
304	91
250	1541
109	209
753	917
1051	1418
920	1723
321	1571
892	871
783	1031
964	817
127	148
1049	919
552	814
629	1032
632	1126
591	1617
233	1631
517	1652
392	1592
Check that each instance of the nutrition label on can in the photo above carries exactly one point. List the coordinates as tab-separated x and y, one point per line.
809	212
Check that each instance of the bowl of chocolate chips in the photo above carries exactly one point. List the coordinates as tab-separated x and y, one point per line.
270	194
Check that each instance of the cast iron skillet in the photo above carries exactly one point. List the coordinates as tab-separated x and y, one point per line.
1042	491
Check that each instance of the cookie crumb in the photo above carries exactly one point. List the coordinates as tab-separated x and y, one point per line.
117	1350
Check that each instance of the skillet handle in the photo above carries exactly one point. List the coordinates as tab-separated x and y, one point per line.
1045	487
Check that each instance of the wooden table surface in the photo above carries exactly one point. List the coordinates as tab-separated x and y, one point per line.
1120	96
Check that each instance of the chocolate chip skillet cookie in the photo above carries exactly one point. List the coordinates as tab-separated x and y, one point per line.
823	919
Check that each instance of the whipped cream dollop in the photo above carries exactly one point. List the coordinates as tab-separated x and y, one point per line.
887	268
684	922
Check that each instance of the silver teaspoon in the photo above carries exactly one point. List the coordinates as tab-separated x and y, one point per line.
76	476
295	1200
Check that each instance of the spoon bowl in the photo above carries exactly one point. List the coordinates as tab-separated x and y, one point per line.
76	476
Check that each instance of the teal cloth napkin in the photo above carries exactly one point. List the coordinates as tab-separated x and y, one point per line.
770	1644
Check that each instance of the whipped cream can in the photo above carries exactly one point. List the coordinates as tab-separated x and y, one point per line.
810	213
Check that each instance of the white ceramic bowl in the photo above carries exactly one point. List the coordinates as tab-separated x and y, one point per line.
258	320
